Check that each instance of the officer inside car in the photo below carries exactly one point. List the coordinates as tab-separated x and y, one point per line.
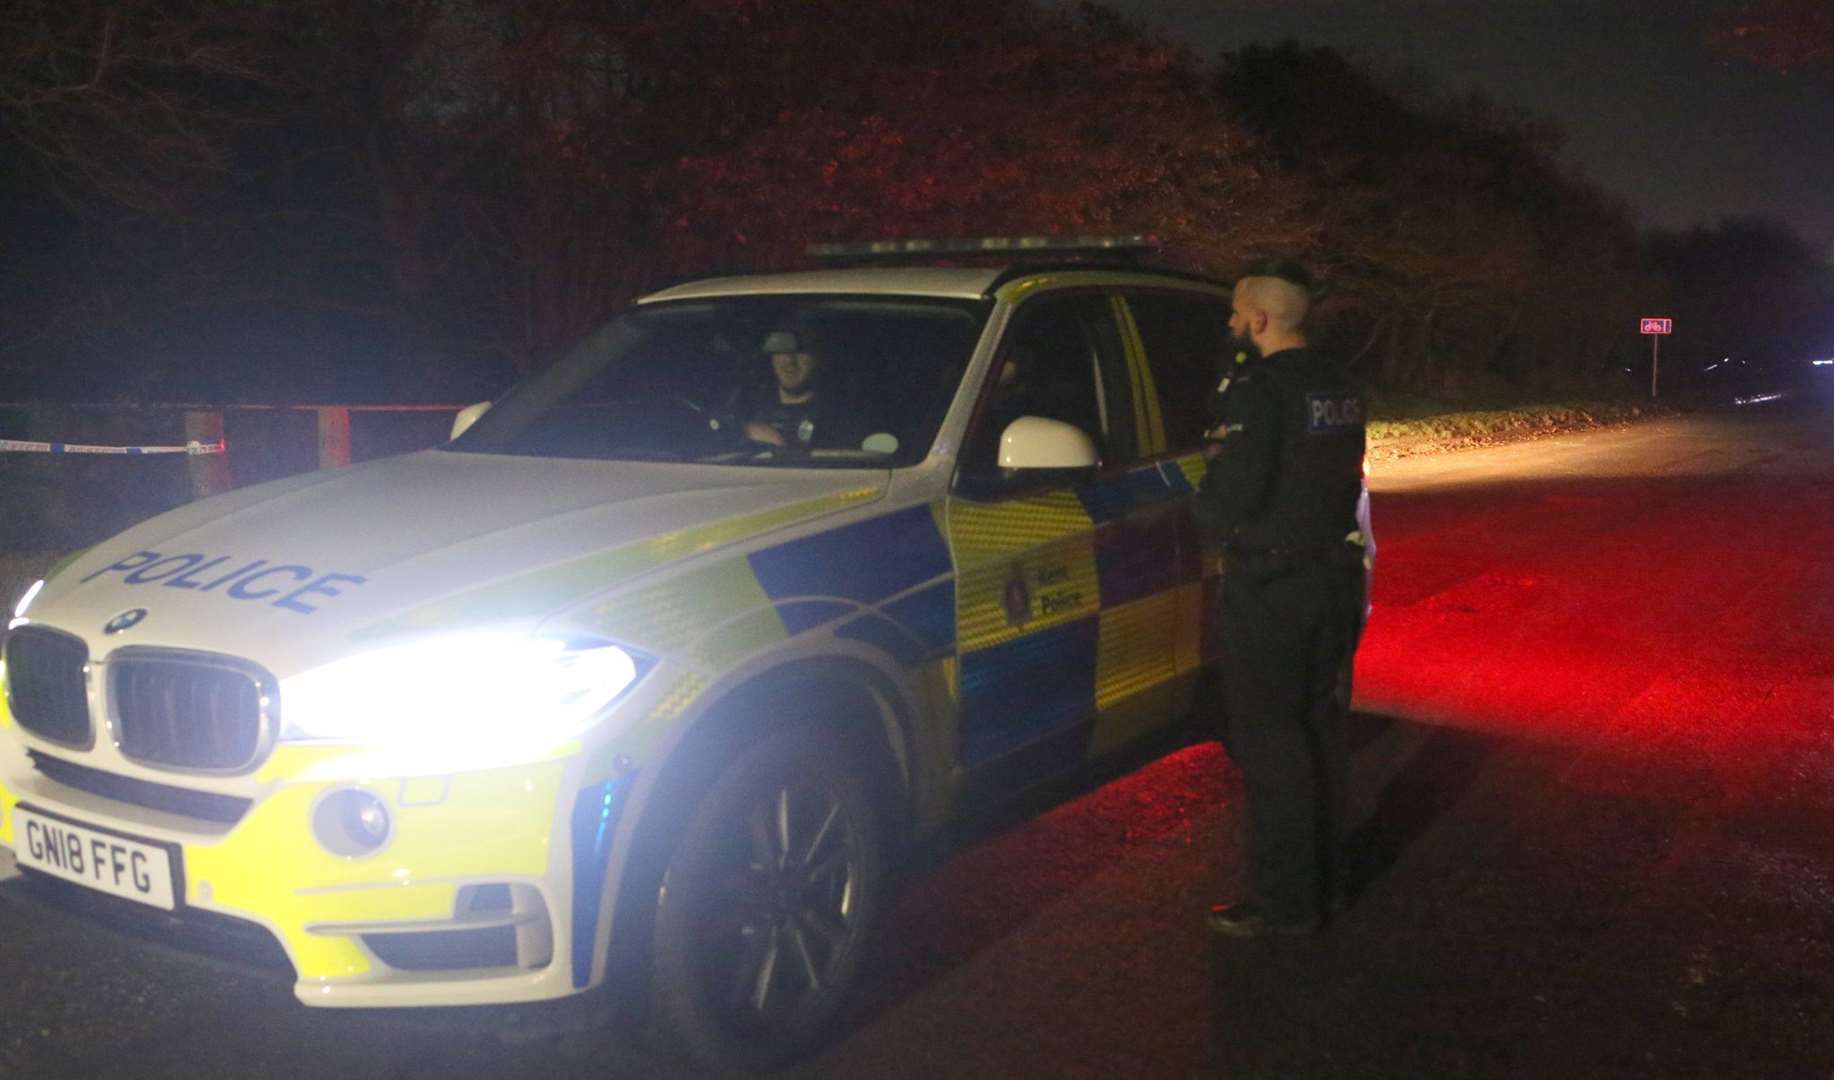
801	411
1281	491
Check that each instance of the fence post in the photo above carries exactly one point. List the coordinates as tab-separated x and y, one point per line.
333	437
209	472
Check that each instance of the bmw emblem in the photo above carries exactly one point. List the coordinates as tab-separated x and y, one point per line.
124	621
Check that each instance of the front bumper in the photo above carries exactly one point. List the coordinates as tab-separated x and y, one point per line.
470	900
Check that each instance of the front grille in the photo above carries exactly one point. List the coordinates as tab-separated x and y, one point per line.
45	685
187	710
203	805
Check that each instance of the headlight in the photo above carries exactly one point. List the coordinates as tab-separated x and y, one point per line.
25	601
460	688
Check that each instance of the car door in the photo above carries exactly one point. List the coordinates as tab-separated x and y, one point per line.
1063	636
1183	340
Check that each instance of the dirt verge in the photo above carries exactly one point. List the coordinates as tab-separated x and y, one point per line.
1391	437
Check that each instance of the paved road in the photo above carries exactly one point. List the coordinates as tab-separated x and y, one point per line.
1591	795
1613	856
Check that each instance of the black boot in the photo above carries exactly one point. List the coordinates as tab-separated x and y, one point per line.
1249	919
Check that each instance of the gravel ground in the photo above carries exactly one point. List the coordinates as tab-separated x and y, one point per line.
1466	430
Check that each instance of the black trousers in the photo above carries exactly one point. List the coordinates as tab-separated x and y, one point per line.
1289	634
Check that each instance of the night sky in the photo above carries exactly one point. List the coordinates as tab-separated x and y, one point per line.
1650	111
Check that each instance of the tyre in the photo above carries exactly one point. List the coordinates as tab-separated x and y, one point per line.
767	903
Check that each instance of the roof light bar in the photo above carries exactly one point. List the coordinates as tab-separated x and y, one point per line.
986	245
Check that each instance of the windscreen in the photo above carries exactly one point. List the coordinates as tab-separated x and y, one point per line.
795	381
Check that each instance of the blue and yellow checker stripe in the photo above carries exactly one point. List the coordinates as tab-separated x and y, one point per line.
1080	612
886	579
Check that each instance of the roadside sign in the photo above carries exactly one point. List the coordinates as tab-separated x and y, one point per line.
1654	329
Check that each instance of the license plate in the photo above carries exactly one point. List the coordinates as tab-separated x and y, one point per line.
109	862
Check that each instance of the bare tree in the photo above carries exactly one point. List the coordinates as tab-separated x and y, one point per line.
1464	255
130	101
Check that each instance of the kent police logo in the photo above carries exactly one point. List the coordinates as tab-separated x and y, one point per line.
125	621
1017	600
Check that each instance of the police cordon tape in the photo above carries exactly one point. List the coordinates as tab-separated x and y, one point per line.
191	449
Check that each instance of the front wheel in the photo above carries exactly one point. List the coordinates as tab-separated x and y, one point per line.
767	903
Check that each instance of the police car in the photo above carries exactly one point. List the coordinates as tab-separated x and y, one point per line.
608	689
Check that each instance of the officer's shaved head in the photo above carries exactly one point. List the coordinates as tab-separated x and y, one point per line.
1271	300
1283	288
1285	303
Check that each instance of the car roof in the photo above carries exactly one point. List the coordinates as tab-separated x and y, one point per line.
959	283
951	282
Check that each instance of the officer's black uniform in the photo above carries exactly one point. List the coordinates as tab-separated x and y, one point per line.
820	423
1282	496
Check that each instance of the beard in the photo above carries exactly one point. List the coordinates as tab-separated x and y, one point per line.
1244	346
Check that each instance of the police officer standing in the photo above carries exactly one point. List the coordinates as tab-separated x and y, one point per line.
1285	474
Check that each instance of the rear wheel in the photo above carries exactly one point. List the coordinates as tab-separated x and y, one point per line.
768	900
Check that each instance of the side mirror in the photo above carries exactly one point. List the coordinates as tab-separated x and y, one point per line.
468	416
1033	442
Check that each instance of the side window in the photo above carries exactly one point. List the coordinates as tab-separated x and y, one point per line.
1062	360
1186	339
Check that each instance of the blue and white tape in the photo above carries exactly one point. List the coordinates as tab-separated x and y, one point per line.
192	448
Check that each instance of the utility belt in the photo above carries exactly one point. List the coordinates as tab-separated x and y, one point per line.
1264	561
